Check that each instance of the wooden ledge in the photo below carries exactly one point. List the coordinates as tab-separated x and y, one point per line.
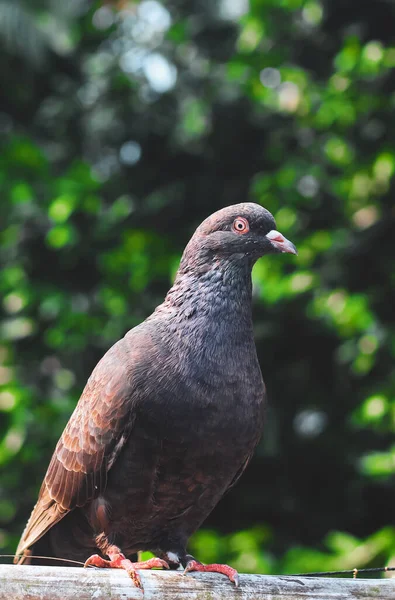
60	583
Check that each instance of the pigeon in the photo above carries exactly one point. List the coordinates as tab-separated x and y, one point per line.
168	419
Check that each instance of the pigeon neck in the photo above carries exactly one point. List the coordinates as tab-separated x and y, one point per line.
220	292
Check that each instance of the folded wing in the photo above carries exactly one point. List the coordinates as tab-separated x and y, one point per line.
91	441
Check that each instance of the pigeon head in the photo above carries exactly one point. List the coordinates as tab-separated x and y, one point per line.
242	230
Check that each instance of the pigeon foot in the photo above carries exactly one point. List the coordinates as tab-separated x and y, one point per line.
195	565
119	561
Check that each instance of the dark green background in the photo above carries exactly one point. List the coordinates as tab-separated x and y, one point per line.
104	176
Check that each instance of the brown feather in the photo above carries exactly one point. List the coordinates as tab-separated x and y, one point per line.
77	472
45	515
186	384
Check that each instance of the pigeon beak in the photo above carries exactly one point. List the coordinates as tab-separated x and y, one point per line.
280	242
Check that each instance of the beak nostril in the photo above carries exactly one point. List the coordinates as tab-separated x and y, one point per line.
276	237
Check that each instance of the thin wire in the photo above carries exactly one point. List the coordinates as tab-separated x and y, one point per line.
353	572
75	562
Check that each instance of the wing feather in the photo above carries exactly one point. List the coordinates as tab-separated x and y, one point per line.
88	446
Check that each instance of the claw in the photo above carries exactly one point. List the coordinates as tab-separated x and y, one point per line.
135	577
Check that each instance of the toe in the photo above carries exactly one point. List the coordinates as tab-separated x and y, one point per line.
231	574
97	561
152	563
162	564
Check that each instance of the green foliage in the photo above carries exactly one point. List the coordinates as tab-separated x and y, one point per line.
123	129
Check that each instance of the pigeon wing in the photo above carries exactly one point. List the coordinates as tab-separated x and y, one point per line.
89	445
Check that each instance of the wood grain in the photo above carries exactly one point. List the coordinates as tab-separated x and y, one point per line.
59	583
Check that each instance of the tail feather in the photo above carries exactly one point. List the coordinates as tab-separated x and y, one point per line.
45	515
23	559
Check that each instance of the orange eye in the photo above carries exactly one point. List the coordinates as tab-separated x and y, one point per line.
241	225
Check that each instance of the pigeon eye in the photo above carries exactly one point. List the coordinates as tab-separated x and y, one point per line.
241	225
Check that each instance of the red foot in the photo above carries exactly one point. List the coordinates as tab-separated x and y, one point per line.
119	561
194	565
151	563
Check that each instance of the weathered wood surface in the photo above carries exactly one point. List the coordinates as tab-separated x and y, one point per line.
59	583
